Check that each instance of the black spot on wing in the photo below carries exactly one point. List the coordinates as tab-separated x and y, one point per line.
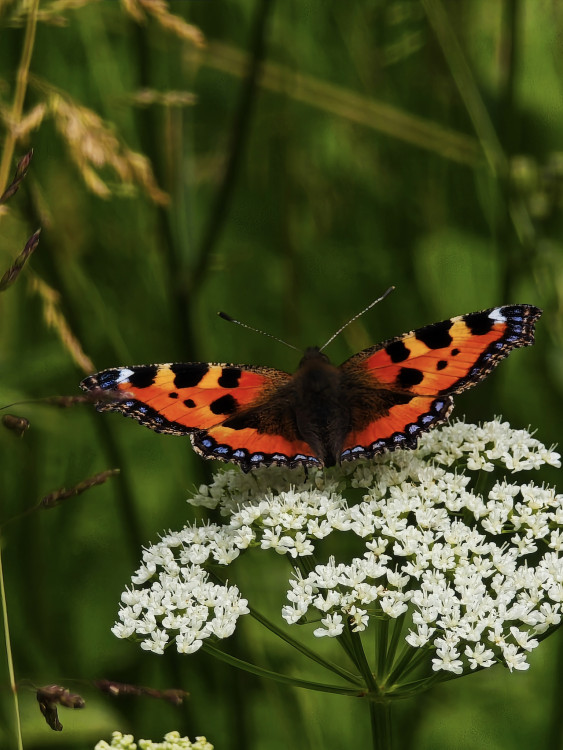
224	405
143	377
230	377
436	336
479	323
442	364
189	402
188	376
409	376
454	352
173	395
397	351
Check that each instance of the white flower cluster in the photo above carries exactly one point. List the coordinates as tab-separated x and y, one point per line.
179	600
479	574
172	741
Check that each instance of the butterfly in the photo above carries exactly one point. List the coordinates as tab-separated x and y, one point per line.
381	399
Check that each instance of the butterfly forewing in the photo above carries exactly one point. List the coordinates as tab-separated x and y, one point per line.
201	400
183	398
450	356
430	363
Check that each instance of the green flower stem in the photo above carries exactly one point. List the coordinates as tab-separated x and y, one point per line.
380	715
344	673
382	639
9	656
277	677
19	96
345	642
411	689
340	671
410	659
395	638
362	662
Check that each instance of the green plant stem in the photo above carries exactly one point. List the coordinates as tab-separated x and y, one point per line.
9	656
277	677
19	96
340	671
465	82
362	662
380	715
382	636
410	659
394	642
238	139
344	673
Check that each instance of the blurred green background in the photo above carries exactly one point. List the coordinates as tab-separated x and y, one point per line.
301	158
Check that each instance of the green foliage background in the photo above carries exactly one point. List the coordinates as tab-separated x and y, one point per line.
332	149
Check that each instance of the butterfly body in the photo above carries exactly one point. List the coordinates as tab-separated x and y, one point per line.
379	400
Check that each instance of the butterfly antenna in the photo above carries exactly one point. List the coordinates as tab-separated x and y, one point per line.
256	330
375	301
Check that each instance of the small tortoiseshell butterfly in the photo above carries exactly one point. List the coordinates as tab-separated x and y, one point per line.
380	399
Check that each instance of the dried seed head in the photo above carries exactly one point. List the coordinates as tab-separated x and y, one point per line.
93	145
21	171
58	496
18	425
55	319
158	9
15	269
49	696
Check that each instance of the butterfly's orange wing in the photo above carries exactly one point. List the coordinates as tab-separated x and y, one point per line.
422	369
209	403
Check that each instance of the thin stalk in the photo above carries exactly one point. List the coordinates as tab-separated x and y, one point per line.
345	642
410	689
19	96
382	637
410	659
362	662
344	673
340	671
466	85
395	637
277	677
9	656
238	139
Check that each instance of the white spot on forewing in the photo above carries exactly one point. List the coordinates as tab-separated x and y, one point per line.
124	374
497	315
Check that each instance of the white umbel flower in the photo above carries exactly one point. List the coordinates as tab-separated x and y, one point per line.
476	575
